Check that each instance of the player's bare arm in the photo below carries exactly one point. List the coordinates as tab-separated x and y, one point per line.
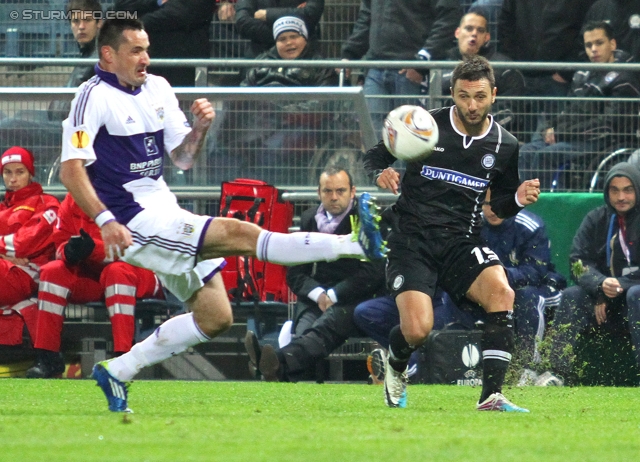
528	192
116	237
186	154
389	179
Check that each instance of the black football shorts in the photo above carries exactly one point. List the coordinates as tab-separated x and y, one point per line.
426	260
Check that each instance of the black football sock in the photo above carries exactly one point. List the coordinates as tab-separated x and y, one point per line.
497	346
399	350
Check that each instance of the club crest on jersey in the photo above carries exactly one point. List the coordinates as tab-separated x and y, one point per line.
488	161
398	281
80	139
187	229
150	145
160	113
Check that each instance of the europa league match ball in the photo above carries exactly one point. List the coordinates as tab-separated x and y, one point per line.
410	133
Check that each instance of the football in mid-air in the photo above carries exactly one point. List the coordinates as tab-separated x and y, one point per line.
410	133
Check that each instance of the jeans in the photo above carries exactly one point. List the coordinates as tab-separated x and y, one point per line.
387	82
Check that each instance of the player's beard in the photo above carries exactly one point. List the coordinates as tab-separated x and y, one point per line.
473	125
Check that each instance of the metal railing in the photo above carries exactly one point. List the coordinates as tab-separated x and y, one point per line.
287	135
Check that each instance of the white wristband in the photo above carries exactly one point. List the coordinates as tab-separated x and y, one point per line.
103	218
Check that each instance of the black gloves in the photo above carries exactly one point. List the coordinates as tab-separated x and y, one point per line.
78	248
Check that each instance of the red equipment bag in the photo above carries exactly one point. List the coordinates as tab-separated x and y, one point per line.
246	278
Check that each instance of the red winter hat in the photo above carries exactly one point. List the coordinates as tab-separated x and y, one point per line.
18	154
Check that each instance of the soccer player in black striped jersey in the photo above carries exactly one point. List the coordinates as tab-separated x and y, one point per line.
438	240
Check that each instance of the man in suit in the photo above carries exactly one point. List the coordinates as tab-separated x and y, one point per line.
327	292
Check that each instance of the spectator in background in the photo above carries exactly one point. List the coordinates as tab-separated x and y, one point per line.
399	30
27	220
473	38
605	267
543	30
85	24
624	18
327	292
255	19
272	133
82	274
291	42
585	127
177	29
492	8
226	42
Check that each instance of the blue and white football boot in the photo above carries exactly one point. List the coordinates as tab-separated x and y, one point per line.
115	390
367	229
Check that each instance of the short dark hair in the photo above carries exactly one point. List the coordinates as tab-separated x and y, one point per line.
92	6
473	68
334	170
478	11
112	29
593	25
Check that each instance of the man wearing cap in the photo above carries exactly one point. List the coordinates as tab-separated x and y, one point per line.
291	35
255	19
27	220
289	128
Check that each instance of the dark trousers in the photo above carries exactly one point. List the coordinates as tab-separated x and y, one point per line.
315	339
576	314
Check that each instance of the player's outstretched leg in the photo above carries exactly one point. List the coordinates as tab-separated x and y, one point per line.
368	230
115	390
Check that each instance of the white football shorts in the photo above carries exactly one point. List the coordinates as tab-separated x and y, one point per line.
166	240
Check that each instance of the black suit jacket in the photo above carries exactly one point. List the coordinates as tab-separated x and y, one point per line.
352	280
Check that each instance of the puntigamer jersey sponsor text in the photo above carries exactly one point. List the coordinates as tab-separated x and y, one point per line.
446	190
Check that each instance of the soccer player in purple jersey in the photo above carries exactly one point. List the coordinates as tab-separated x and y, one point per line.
121	123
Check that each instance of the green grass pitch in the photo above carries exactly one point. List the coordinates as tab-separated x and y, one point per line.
67	420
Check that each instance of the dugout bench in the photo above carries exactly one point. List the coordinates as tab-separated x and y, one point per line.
87	329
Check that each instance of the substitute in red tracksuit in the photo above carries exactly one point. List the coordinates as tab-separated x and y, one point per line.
83	274
27	220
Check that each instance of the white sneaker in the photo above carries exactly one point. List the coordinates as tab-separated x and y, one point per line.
527	378
395	386
549	380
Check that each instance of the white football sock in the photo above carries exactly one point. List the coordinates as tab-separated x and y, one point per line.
302	247
173	337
